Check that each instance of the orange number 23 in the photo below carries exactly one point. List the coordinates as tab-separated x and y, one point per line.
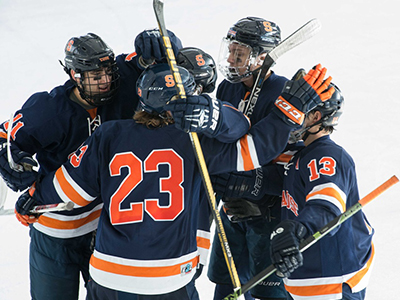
172	185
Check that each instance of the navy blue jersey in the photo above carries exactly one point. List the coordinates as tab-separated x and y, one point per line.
52	126
152	191
235	93
238	95
320	183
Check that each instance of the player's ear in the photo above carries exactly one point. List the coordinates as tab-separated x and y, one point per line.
317	116
72	73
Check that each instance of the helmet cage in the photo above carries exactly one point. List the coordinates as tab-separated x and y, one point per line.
98	87
237	60
259	35
96	73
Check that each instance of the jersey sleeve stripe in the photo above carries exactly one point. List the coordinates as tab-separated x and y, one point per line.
357	278
329	192
47	221
68	190
203	242
247	155
330	287
283	158
203	245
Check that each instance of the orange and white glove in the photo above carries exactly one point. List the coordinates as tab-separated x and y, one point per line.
301	96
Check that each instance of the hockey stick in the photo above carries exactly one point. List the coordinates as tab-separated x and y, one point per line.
158	6
13	165
311	240
3	198
45	208
302	34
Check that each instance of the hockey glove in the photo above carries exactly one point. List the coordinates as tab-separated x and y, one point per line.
196	114
23	206
149	47
15	179
248	185
303	95
285	241
240	210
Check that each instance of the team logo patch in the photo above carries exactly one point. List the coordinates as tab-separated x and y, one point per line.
232	32
186	268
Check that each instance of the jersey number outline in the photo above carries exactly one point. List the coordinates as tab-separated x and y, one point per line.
171	185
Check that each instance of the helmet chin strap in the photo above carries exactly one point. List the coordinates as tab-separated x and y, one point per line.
298	135
307	133
85	97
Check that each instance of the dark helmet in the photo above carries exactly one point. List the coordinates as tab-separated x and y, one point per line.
331	109
201	65
90	53
245	41
258	33
156	87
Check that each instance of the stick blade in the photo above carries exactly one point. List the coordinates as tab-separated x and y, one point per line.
307	31
158	6
6	212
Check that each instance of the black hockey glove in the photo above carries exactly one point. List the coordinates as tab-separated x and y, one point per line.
23	206
285	241
303	95
17	180
240	210
196	114
149	47
248	185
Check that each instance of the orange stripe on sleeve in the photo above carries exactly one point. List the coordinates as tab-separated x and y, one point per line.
68	190
73	224
285	158
245	152
329	191
353	281
156	271
203	242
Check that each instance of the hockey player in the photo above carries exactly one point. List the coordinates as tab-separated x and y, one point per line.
319	184
203	68
146	239
251	203
52	126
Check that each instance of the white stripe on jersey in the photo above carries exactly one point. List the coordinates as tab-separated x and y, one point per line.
240	164
74	185
203	251
64	233
326	192
147	285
